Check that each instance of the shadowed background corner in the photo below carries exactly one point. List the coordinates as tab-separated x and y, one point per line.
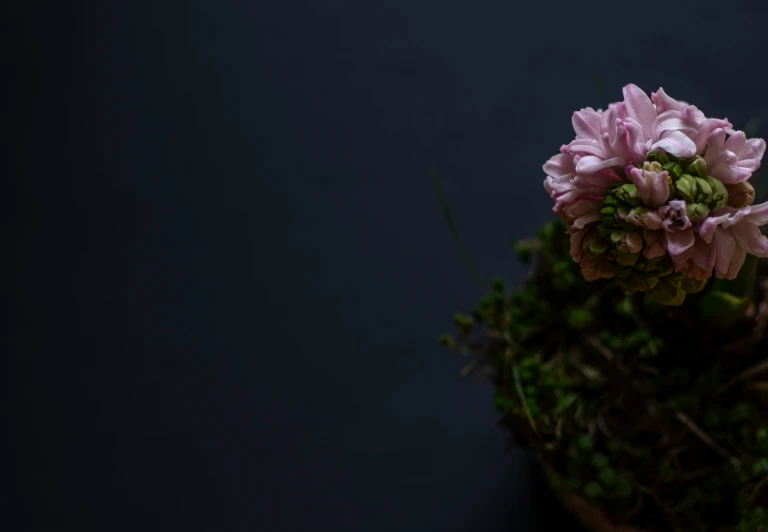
231	266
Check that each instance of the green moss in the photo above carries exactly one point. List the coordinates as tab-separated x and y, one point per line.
567	352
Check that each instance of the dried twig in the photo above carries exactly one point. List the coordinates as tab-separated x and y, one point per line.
599	347
760	485
703	436
746	374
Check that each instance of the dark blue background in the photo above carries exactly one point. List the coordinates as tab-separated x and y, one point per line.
230	267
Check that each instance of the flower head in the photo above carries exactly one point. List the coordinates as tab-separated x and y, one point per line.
656	194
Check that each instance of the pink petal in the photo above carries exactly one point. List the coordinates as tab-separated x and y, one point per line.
652	186
656	244
581	207
758	214
725	248
673	121
709	226
548	187
680	242
730	175
587	147
736	142
736	263
751	239
755	150
705	128
559	165
677	144
640	108
736	216
576	241
634	242
586	123
703	255
591	164
583	221
715	147
664	102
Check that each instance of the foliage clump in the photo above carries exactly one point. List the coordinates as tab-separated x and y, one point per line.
656	415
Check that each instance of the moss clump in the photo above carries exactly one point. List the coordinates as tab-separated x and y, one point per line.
651	413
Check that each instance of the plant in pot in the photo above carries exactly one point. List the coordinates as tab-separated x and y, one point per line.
633	361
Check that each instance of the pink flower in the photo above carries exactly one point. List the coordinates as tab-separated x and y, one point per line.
607	141
655	244
731	235
644	218
619	200
678	228
652	183
733	160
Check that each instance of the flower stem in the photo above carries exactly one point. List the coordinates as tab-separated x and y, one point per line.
455	232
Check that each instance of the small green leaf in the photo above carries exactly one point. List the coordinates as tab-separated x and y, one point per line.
566	402
579	319
593	490
727	301
585	442
599	461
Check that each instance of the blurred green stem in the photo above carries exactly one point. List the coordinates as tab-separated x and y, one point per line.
455	232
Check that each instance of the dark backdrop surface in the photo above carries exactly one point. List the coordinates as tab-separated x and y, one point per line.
230	267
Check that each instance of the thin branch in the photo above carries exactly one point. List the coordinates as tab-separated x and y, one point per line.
746	374
703	436
455	232
760	485
519	388
599	347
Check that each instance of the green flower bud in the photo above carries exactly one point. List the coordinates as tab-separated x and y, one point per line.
639	211
627	259
633	284
446	340
622	213
608	211
610	201
719	194
663	157
673	169
591	237
524	251
665	268
667	293
653	156
618	236
652	281
705	191
692	286
580	318
698	168
628	194
552	231
697	212
621	272
740	195
597	247
652	264
686	187
605	229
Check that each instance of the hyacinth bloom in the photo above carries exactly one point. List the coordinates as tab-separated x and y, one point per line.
657	195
